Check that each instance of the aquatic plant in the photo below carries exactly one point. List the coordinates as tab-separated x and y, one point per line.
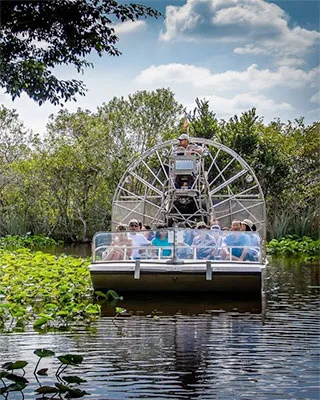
48	291
304	247
64	387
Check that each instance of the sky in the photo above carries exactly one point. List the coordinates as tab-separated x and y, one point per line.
236	54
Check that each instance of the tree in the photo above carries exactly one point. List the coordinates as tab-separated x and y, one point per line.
143	119
203	121
16	143
38	35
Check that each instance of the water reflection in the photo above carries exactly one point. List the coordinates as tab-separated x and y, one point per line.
149	304
197	347
74	249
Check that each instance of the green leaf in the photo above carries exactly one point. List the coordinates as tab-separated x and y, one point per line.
3	374
62	388
70	359
47	390
112	294
44	353
42	372
75	393
40	322
73	379
98	293
17	378
16	387
16	365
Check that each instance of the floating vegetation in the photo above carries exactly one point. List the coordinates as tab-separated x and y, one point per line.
64	387
47	291
291	245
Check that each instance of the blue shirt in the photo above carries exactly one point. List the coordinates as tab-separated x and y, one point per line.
162	243
237	241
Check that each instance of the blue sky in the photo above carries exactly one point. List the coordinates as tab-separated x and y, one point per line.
237	54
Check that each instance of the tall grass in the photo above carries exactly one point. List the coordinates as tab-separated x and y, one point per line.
285	223
12	223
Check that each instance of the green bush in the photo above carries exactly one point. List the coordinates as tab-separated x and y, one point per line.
304	247
32	242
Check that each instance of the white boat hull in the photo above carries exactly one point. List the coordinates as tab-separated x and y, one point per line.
127	276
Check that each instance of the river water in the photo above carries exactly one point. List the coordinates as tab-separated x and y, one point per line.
194	348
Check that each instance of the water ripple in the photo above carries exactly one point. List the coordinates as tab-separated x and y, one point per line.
204	349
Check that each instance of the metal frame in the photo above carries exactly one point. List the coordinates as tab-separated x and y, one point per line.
227	188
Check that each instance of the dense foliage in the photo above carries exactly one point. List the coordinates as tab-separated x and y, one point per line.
45	290
62	185
291	245
37	35
32	242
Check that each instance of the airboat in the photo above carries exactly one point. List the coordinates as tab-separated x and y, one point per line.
178	189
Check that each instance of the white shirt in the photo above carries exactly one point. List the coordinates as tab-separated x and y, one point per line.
138	240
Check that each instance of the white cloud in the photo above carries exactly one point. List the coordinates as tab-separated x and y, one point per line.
129	27
258	26
316	98
227	107
290	62
231	92
251	79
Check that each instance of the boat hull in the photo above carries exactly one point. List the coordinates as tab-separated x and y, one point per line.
204	277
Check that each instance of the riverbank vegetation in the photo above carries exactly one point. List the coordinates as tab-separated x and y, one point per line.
303	248
62	184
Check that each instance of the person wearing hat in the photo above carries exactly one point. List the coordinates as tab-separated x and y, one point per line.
235	244
253	252
246	225
138	239
185	147
204	243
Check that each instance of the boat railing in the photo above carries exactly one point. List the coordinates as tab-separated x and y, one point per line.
179	245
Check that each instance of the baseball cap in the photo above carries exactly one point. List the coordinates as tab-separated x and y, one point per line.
183	136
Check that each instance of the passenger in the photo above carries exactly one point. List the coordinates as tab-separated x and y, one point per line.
138	240
204	243
216	233
214	224
147	232
253	253
121	245
161	240
184	251
237	241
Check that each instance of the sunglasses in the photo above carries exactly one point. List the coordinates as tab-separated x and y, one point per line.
133	225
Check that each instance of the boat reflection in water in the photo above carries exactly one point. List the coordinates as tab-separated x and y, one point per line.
193	343
168	304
